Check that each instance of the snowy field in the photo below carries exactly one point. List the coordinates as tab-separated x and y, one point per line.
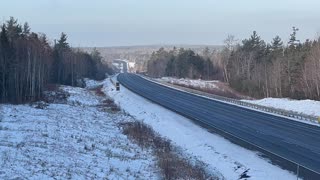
74	140
220	154
309	107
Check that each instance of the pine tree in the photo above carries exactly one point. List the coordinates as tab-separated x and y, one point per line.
293	42
14	30
277	44
60	51
26	29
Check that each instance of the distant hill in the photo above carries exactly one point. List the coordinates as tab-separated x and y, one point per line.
141	54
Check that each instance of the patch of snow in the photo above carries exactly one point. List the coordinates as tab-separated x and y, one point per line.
91	84
191	82
223	156
69	141
309	107
81	96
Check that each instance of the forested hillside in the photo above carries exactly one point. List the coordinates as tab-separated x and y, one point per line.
141	54
253	66
28	63
181	63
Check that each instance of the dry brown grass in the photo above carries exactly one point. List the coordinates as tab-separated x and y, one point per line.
98	91
109	105
172	164
108	102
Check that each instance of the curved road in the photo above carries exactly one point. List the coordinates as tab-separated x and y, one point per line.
298	142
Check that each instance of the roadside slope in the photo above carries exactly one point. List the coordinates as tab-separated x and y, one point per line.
76	138
229	159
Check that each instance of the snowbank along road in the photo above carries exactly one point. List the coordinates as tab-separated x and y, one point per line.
295	141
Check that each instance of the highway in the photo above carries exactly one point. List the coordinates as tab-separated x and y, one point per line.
295	141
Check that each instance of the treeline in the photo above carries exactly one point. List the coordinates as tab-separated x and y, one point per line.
180	63
254	67
28	63
275	70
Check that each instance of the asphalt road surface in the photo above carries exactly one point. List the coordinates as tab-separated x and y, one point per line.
296	141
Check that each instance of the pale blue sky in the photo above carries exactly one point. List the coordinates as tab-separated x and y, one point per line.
142	22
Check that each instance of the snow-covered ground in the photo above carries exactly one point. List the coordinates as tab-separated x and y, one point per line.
191	82
79	140
309	107
75	140
220	154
